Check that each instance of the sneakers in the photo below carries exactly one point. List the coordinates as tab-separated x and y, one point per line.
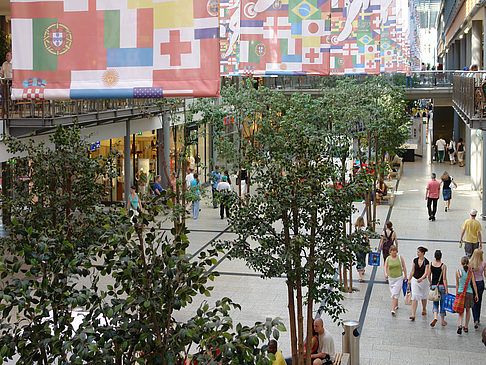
393	313
446	209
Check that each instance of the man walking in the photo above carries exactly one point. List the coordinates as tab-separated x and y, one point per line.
441	143
432	195
472	228
157	188
224	191
215	179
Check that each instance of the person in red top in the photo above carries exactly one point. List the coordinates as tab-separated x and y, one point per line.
432	195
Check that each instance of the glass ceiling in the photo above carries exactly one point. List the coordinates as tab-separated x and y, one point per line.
427	11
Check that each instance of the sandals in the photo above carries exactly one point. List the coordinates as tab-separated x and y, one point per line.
412	318
476	325
459	330
432	324
444	323
424	313
466	330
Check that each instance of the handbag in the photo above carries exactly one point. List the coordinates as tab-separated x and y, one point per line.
434	294
408	296
458	305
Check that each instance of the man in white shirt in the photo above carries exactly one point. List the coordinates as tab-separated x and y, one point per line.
326	343
189	177
224	190
441	143
7	67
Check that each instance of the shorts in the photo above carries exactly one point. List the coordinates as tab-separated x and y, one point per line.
447	194
469	300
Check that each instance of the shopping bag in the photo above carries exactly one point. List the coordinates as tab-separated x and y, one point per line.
405	286
449	302
408	297
458	305
374	258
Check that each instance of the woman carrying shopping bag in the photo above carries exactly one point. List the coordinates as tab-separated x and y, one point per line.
419	282
395	271
438	279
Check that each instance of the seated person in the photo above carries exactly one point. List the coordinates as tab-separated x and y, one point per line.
314	341
325	349
272	349
381	190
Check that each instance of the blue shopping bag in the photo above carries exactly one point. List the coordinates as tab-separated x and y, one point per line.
374	259
404	286
448	302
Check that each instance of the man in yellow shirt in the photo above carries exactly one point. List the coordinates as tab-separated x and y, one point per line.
272	349
472	228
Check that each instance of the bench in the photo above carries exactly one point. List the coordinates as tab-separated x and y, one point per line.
341	359
389	198
397	174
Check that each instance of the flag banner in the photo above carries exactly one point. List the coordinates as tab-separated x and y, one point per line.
314	37
81	49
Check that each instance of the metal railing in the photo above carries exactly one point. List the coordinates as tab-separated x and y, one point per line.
430	79
463	94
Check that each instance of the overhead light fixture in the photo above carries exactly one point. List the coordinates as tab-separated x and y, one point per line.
467	30
461	36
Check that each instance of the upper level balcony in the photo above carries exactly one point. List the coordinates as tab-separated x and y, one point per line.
469	98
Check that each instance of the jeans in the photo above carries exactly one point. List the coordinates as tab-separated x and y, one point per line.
477	305
409	81
195	209
432	206
441	155
441	301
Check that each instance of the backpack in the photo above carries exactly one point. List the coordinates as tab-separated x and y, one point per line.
388	242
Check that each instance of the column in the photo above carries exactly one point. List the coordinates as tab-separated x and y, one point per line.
468	38
126	158
457	55
457	121
483	177
463	52
476	30
467	154
163	151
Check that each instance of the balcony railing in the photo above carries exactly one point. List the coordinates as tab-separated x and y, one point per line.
469	98
430	79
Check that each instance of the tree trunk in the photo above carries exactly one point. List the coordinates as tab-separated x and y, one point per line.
310	300
300	316
290	292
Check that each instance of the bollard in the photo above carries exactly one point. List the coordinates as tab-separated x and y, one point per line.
351	341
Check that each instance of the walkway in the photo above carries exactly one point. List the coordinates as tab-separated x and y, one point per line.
385	339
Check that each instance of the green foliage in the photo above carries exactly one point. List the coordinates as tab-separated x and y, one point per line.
124	277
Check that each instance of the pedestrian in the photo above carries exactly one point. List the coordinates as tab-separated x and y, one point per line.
472	229
381	190
461	148
224	192
226	173
438	278
465	284
189	179
478	267
243	179
215	179
133	203
420	286
157	188
451	150
432	195
388	237
441	144
195	187
395	271
359	226
273	349
447	180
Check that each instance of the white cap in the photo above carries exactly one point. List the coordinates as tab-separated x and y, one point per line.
473	212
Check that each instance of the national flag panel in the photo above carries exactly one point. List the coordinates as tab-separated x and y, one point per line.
109	48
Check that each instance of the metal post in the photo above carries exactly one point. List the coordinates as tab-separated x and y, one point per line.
468	152
457	121
126	158
351	341
163	151
483	178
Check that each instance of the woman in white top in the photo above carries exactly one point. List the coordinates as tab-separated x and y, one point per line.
420	284
451	150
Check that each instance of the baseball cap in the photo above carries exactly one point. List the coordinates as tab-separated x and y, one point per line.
473	212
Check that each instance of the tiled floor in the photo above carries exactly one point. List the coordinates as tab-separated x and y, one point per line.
384	339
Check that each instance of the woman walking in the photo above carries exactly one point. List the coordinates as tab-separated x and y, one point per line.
395	271
447	180
478	267
388	237
451	150
438	278
465	283
420	286
461	147
134	202
359	225
195	186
